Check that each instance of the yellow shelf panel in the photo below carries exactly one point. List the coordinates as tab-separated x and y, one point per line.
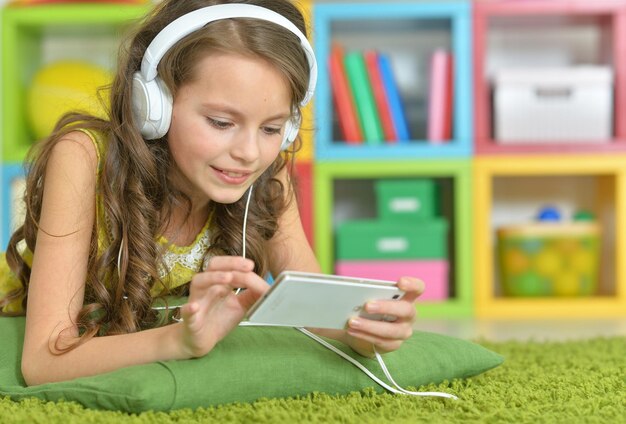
570	164
610	170
305	154
597	307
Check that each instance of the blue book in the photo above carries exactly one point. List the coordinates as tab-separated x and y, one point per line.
395	101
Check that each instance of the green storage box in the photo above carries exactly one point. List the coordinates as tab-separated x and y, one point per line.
377	239
409	198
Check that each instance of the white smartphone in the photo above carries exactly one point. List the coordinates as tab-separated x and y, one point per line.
299	299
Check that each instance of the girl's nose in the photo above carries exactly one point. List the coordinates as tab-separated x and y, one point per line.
246	145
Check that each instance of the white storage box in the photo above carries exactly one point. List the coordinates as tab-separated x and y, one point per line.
572	104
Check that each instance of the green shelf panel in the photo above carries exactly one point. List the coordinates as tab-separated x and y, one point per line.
457	170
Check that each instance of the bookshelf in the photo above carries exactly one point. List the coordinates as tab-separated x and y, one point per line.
346	174
408	33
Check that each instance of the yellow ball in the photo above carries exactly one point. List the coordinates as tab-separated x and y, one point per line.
65	86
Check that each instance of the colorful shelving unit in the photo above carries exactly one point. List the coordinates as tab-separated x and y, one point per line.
481	180
505	185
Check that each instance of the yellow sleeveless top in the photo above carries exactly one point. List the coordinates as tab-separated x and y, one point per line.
180	263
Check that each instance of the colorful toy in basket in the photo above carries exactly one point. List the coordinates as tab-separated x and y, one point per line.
64	86
550	257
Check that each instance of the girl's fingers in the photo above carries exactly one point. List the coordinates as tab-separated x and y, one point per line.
381	330
401	310
215	286
412	287
229	263
232	279
382	345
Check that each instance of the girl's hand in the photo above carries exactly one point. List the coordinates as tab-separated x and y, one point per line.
365	334
214	309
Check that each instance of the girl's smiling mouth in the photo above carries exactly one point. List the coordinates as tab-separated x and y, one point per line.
231	176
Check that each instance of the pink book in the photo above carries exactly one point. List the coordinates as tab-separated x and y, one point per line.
440	97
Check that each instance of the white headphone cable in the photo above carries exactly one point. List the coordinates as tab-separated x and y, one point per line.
245	224
397	389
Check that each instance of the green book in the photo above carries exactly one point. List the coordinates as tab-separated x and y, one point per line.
356	71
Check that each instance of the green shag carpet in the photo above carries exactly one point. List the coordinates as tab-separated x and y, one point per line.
555	382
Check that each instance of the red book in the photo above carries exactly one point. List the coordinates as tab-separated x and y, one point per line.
380	95
440	97
343	99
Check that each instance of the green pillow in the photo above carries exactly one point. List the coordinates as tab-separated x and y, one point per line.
251	363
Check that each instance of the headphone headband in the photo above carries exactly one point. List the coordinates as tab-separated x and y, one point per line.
190	22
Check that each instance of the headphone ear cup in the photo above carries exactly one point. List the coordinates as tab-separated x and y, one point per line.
292	126
152	106
140	102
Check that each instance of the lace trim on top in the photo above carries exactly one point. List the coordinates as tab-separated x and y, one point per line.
191	257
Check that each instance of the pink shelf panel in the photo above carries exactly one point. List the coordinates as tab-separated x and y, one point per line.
614	12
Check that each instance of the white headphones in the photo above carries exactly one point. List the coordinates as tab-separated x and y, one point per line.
151	99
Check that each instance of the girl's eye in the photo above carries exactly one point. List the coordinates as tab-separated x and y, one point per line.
220	125
271	130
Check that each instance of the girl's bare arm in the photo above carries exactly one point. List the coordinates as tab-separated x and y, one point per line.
58	279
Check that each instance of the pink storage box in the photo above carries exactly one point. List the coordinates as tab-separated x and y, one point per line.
434	273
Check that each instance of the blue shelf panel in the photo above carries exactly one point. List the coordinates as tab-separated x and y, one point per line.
458	14
403	151
10	173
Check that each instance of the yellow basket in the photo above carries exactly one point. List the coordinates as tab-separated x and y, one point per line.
549	259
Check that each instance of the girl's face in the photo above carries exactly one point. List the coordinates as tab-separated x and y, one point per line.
227	126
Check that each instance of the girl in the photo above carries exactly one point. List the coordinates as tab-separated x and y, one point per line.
150	203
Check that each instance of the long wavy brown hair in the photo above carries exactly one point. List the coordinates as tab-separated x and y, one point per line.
138	196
